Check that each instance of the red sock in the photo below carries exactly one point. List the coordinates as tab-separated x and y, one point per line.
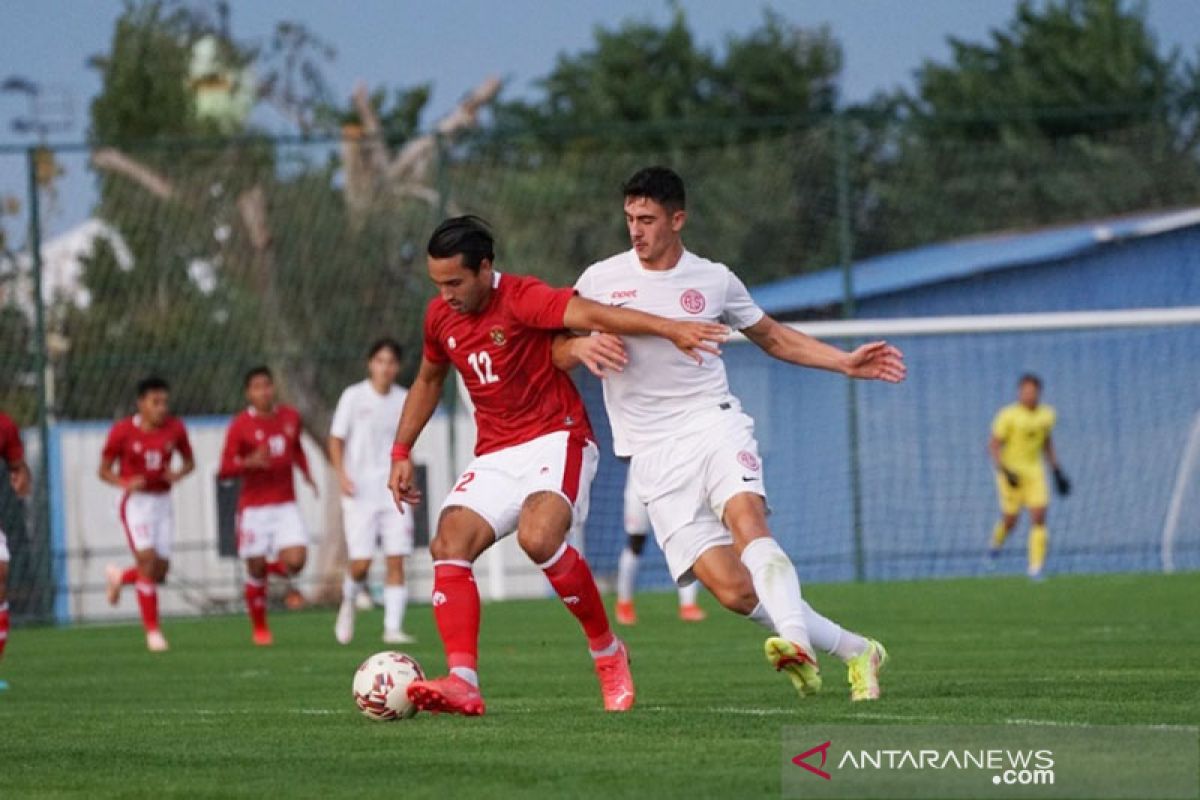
129	577
3	626
277	568
147	597
572	579
456	610
256	603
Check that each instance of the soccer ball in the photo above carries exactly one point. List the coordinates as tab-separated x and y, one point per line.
381	686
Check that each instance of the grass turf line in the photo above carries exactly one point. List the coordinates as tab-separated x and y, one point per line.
90	713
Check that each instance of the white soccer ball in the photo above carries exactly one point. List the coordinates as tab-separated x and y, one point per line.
381	686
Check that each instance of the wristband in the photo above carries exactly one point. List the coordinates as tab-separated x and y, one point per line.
401	452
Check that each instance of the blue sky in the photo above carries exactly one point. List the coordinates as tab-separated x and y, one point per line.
456	43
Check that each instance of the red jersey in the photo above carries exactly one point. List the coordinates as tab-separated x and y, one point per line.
145	453
10	441
504	355
278	432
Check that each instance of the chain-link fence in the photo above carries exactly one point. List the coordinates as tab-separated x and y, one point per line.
197	260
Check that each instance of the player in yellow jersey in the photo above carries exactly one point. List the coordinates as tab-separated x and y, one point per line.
1020	438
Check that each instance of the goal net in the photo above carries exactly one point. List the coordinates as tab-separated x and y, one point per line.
894	482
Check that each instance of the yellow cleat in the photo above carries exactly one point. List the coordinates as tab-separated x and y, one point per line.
864	671
800	667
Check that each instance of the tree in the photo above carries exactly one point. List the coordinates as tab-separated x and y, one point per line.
1071	111
747	126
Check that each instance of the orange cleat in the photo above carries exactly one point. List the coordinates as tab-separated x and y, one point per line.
450	695
293	600
262	637
616	681
692	613
625	613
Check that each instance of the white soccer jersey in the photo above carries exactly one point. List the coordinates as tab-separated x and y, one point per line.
662	392
366	421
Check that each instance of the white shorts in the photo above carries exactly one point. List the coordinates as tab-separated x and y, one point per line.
3	548
686	482
495	485
637	519
265	530
148	520
380	524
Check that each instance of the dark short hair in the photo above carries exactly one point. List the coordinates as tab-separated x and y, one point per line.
1029	377
254	372
386	343
660	184
152	383
468	236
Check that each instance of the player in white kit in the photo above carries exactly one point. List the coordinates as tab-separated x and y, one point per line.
693	457
637	528
360	443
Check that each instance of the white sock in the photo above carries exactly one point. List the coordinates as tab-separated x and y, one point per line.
627	568
350	589
467	674
395	598
687	594
829	637
759	615
778	588
608	651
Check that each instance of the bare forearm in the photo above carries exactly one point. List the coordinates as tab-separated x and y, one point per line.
586	315
419	406
803	350
1051	456
563	352
994	451
109	475
337	449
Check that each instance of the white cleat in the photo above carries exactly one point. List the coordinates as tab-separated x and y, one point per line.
156	642
112	574
363	601
343	629
397	637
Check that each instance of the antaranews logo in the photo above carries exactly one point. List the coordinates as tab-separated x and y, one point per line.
1009	767
800	760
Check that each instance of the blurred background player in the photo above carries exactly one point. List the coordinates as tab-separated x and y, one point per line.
1020	438
535	451
137	458
693	456
360	442
262	446
637	527
13	454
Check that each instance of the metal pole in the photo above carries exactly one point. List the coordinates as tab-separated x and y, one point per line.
846	256
41	358
450	393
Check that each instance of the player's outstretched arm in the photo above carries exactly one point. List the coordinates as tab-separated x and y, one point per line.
877	361
20	478
601	353
419	406
693	338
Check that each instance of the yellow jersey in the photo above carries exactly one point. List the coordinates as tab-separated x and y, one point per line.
1023	432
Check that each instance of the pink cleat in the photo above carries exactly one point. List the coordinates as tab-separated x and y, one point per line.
450	695
263	638
692	613
625	613
616	681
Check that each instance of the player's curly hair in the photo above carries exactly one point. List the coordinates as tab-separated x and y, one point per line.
468	236
660	184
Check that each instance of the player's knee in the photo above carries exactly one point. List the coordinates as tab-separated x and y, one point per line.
395	571
540	542
737	596
359	570
637	543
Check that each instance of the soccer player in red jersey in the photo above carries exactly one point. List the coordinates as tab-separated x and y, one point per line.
535	452
18	477
144	446
262	446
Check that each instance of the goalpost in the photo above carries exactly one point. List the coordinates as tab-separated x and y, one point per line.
1126	386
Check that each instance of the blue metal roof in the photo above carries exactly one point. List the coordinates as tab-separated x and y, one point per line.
908	269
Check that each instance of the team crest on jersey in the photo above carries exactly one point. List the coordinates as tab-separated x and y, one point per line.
748	460
290	430
137	447
451	343
692	301
498	337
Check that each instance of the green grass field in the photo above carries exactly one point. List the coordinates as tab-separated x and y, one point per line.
90	713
